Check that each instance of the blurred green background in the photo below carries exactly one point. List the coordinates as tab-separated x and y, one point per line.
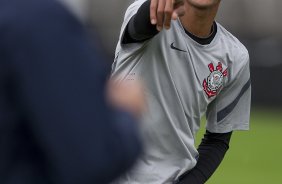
255	156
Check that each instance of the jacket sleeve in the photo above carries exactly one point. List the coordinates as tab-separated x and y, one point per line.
59	79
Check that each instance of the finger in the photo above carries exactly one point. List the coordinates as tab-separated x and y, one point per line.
153	11
178	13
168	14
179	9
174	15
160	14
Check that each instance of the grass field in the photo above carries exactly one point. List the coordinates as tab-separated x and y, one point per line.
255	156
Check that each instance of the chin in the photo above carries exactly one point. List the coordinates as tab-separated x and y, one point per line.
203	4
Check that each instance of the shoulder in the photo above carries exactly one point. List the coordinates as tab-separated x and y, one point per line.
32	14
237	53
30	22
133	7
235	47
130	12
27	7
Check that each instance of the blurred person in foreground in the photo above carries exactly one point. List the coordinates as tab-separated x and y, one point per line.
192	67
55	124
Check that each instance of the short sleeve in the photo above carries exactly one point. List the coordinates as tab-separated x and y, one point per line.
124	51
231	108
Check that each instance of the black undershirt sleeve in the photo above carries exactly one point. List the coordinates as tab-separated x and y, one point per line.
139	27
211	152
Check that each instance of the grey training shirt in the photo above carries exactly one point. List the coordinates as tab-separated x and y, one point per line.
183	81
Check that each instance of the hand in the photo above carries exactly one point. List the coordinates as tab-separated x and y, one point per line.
127	95
163	11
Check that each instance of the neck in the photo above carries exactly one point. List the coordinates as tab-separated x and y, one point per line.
198	21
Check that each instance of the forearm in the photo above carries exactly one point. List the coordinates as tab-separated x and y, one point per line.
139	27
211	152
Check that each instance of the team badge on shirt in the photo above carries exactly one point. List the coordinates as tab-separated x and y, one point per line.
214	82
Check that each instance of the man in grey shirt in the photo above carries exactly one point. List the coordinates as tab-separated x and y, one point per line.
191	68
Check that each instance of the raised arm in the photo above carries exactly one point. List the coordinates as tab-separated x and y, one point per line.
151	17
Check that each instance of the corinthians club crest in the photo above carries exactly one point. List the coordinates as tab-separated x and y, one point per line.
214	82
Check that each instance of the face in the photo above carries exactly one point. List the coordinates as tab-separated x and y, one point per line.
203	4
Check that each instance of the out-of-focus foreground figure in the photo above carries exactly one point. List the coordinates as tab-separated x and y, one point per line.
55	124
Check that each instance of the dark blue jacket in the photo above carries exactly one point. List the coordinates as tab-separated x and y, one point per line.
55	126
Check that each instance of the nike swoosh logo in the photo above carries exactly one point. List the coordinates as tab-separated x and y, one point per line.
174	48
